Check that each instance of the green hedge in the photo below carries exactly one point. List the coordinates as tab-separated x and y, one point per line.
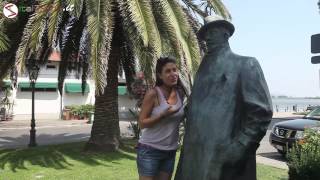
304	157
81	110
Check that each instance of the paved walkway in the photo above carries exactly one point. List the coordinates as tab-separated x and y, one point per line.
16	134
40	123
285	115
272	162
16	124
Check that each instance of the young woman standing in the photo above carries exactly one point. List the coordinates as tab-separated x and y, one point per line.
160	116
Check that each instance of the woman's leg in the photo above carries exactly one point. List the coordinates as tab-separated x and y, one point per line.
148	162
147	178
167	166
164	176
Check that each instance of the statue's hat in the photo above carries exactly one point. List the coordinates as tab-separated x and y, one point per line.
215	20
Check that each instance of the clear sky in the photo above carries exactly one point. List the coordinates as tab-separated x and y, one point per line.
277	33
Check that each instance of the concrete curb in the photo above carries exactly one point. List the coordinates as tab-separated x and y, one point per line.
272	162
43	127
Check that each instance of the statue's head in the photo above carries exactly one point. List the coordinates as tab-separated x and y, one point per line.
216	29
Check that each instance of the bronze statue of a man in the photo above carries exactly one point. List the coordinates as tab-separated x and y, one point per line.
228	113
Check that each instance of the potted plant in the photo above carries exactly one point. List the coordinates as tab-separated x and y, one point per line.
67	113
6	105
81	112
75	112
87	109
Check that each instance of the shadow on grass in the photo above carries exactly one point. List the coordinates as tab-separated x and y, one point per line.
61	156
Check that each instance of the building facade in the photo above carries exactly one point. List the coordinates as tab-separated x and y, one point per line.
49	104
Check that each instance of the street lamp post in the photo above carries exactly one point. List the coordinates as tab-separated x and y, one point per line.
33	70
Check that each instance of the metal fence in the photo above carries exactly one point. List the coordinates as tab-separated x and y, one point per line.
290	108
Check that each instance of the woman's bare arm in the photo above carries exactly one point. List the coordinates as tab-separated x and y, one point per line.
145	119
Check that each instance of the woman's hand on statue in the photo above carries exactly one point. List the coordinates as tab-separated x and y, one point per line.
169	111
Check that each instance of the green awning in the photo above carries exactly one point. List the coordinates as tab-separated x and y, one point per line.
75	88
7	83
122	90
39	85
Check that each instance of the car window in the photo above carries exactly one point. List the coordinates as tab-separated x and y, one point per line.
315	114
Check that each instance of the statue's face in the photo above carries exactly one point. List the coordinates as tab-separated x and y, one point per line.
169	74
216	35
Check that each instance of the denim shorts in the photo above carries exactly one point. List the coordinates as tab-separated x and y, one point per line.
151	161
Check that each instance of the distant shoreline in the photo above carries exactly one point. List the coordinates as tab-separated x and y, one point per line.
295	97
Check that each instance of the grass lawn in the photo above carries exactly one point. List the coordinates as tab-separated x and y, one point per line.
267	173
69	162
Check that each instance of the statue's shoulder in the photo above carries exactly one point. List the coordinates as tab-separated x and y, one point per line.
243	58
246	60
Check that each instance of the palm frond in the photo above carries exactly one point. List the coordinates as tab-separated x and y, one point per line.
84	48
37	35
100	34
66	50
219	8
143	33
193	52
13	29
170	41
23	50
71	39
204	8
4	42
39	18
55	16
170	37
175	20
195	25
192	20
84	51
195	8
128	63
74	7
66	33
44	49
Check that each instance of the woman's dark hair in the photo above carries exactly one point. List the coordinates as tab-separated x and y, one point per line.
162	61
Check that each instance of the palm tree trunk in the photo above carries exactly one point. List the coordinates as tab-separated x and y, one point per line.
105	133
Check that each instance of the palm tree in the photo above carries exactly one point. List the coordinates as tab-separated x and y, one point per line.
10	35
4	40
98	37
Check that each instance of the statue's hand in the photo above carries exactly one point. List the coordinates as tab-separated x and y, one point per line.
233	153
